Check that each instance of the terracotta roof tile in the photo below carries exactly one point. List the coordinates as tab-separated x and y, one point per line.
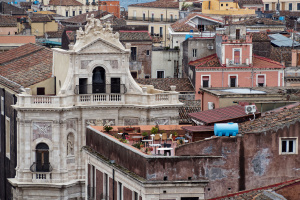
220	114
257	193
260	21
26	65
135	36
9	9
65	3
272	119
40	18
208	61
81	19
158	4
7	21
260	36
258	62
183	26
249	2
182	84
190	106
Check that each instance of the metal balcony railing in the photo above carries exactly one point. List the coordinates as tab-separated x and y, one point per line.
150	19
100	88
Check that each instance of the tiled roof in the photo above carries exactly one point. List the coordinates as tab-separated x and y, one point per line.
65	3
258	21
40	18
213	61
272	120
249	2
81	19
220	114
189	106
55	34
198	128
182	84
183	26
158	4
9	9
260	36
135	36
208	61
25	65
259	193
7	21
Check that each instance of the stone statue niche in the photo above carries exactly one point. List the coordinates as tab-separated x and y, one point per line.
70	144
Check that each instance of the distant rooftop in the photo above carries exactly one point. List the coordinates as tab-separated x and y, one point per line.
182	84
282	41
158	4
243	91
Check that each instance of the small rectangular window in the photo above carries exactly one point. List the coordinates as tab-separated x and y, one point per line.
226	4
160	31
161	17
7	136
171	18
152	31
232	81
290	6
221	5
40	91
194	53
298	6
67	14
144	16
136	196
74	13
2	105
205	81
148	52
80	12
152	17
133	53
120	191
288	145
134	74
260	80
267	7
160	74
105	185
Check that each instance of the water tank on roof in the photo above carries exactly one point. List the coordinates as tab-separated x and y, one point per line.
226	129
191	31
281	18
36	2
187	36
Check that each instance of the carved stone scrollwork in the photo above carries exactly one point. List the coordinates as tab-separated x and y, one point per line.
42	130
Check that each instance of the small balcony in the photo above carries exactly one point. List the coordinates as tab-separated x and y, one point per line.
41	173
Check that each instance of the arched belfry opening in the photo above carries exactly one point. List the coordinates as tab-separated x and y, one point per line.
99	80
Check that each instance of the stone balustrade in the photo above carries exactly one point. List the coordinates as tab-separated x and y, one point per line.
25	100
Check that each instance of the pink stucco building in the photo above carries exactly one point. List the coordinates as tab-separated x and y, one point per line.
234	65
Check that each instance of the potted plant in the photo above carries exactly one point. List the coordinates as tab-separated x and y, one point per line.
145	135
129	128
154	130
107	128
174	135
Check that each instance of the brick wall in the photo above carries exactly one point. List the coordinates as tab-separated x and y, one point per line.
99	184
127	194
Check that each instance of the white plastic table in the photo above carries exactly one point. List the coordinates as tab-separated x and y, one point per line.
165	149
155	145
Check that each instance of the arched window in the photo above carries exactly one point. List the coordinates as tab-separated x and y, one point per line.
42	158
99	80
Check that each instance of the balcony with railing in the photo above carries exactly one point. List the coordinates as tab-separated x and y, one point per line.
152	19
236	39
41	173
106	95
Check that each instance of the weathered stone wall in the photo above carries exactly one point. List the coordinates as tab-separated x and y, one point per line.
249	161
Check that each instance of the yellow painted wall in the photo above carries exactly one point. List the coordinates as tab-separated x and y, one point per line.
229	8
39	29
47	84
61	66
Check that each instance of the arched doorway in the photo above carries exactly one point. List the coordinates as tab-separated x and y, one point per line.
99	80
42	158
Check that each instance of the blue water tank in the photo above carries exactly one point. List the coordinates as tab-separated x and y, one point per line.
226	129
281	18
188	36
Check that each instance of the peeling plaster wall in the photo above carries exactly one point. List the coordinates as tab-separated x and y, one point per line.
249	161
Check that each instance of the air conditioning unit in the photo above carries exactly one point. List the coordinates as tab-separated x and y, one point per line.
250	109
211	105
210	47
230	62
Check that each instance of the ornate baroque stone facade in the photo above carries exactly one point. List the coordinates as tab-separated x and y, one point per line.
94	87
